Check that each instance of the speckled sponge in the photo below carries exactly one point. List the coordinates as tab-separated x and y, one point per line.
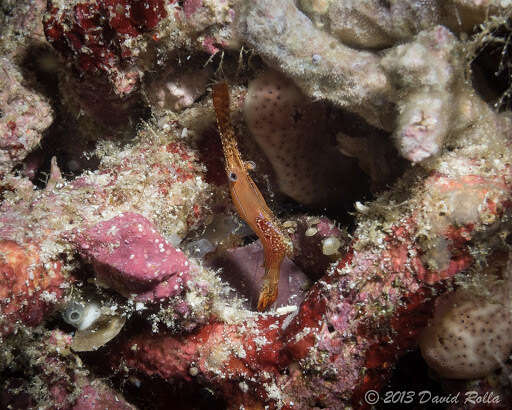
469	336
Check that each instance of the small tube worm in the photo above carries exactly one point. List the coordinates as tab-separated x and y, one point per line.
249	202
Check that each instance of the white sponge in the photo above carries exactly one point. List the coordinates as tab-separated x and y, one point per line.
469	336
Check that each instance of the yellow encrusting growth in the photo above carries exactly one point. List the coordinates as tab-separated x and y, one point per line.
249	202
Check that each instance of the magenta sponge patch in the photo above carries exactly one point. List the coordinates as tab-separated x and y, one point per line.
129	255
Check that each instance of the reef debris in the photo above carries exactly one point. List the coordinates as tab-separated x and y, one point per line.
49	374
401	82
112	45
322	67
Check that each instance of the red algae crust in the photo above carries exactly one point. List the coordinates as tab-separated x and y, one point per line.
28	289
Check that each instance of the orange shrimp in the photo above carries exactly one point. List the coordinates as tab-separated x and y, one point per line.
249	202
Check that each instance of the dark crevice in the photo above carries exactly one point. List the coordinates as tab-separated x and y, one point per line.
411	376
492	68
72	137
39	65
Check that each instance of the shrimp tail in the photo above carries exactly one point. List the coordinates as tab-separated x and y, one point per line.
269	288
268	293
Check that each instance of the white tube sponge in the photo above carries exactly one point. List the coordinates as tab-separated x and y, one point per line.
81	315
423	123
427	75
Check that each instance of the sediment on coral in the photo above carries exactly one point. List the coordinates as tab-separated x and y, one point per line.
127	278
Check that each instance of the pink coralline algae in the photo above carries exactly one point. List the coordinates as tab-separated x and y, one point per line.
120	185
363	314
130	256
368	310
249	357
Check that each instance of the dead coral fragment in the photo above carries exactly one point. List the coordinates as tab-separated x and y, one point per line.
429	77
375	24
322	67
420	82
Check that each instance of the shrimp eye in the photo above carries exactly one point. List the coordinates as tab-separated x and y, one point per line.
232	177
